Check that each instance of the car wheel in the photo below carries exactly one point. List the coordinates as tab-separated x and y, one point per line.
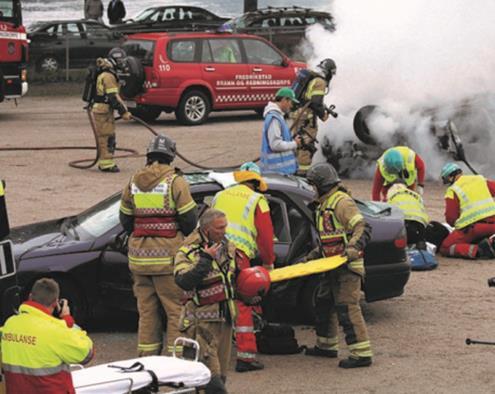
49	64
360	124
308	299
147	113
194	108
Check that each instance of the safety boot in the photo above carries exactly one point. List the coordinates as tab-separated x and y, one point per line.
319	352
111	169
485	249
246	366
353	362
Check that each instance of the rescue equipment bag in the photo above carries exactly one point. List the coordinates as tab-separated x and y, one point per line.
277	339
301	83
422	260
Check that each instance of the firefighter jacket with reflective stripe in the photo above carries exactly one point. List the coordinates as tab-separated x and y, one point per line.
409	156
279	162
410	203
475	200
37	349
154	210
216	289
155	197
106	83
334	235
239	205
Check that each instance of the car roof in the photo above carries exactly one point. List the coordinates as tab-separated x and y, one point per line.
284	11
157	36
90	21
157	7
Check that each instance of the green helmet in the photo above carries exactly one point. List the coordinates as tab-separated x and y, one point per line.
448	170
393	161
323	176
287	93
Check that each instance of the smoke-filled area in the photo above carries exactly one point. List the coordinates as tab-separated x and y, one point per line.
422	62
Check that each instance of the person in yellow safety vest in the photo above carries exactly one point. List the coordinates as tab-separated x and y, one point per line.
415	215
225	54
470	208
157	210
313	108
107	100
343	231
250	229
37	348
205	268
399	162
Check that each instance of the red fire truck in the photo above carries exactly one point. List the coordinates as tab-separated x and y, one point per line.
13	51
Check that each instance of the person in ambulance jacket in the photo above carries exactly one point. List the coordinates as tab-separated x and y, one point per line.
250	229
470	209
37	348
399	162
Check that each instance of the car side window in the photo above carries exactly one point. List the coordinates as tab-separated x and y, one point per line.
53	29
259	52
206	56
225	50
72	29
169	14
280	219
182	51
185	14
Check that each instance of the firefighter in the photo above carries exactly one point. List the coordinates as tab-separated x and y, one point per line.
205	268
470	209
157	210
306	116
38	348
277	146
415	215
250	229
342	231
107	100
399	162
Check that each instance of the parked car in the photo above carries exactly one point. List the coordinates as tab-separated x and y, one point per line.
86	252
86	40
285	27
196	73
171	18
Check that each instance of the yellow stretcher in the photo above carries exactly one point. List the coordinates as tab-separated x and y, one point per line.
309	268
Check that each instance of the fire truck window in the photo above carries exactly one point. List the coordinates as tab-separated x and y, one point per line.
182	51
6	9
225	51
259	52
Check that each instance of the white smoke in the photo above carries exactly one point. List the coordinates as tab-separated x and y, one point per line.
408	56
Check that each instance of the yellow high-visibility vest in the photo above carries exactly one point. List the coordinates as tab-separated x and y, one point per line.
239	205
475	200
411	204
409	157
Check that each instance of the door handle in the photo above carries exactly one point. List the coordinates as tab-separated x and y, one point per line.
210	69
257	70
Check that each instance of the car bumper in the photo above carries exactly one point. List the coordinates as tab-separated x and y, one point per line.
386	280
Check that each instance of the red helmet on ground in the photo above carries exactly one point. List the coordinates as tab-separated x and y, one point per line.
253	281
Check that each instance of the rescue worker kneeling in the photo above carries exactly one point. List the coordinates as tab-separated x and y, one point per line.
470	208
205	268
343	231
37	347
412	206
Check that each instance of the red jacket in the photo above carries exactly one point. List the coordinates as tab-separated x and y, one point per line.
379	190
264	240
453	209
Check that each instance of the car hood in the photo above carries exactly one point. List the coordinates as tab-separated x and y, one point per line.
44	239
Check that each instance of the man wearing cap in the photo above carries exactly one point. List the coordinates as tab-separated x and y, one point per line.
277	146
250	229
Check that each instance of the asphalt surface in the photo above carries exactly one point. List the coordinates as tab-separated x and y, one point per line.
418	338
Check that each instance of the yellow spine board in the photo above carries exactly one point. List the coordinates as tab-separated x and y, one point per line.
309	268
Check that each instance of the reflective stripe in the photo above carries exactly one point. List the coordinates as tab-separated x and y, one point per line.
151	260
327	343
2	190
36	371
125	210
361	349
247	355
186	208
249	206
472	251
106	163
244	329
355	220
149	347
112	90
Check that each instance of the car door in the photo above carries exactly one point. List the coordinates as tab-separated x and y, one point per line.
267	69
76	44
223	70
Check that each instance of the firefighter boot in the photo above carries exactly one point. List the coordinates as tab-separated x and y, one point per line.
215	386
319	352
353	362
246	366
485	249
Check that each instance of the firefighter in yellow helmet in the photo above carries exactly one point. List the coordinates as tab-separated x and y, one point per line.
107	100
38	348
157	210
205	268
342	230
313	108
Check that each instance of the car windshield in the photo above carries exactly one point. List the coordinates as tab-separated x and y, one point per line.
144	15
100	219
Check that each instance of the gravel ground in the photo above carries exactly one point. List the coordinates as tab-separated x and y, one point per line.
418	338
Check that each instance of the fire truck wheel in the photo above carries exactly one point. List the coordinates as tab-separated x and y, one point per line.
48	63
194	108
